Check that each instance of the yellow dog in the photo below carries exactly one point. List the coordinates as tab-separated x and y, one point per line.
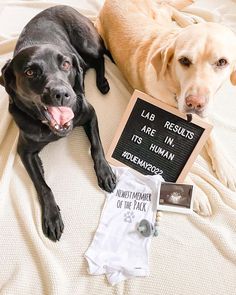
162	52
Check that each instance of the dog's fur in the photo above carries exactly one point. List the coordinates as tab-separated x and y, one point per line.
47	72
181	63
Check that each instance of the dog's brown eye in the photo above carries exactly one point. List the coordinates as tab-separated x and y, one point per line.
66	65
29	73
221	62
185	61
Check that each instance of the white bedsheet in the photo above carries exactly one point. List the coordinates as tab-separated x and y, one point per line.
193	255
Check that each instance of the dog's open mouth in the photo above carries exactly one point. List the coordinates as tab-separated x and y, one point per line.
59	118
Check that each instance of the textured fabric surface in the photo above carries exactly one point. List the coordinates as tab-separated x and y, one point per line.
192	255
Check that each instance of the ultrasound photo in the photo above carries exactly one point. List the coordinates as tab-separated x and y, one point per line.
175	197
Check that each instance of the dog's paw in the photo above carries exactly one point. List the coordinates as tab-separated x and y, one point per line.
52	223
221	165
103	86
225	172
201	204
106	177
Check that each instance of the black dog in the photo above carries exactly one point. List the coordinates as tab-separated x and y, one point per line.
45	82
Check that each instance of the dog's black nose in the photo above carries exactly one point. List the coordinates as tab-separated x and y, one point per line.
60	94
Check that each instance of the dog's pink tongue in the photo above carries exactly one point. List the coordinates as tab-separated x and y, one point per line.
61	115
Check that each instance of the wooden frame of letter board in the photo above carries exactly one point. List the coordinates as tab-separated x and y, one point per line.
138	94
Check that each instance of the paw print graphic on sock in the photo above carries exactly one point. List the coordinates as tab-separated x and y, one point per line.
128	216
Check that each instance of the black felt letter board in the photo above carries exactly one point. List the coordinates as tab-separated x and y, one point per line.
154	140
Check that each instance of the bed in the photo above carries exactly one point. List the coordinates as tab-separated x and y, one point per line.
192	254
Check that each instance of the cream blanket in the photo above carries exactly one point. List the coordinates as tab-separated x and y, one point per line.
192	255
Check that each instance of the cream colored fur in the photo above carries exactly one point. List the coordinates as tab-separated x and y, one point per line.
147	39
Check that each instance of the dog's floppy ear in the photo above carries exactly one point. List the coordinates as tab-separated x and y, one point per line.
233	76
7	79
162	58
79	79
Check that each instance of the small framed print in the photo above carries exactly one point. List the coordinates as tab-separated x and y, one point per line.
175	198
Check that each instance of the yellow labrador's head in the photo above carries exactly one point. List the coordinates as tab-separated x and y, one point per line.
199	59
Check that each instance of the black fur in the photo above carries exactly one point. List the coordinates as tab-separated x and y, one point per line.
55	38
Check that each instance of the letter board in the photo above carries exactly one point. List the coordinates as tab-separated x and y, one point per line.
154	138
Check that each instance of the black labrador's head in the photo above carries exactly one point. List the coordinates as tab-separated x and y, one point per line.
45	80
